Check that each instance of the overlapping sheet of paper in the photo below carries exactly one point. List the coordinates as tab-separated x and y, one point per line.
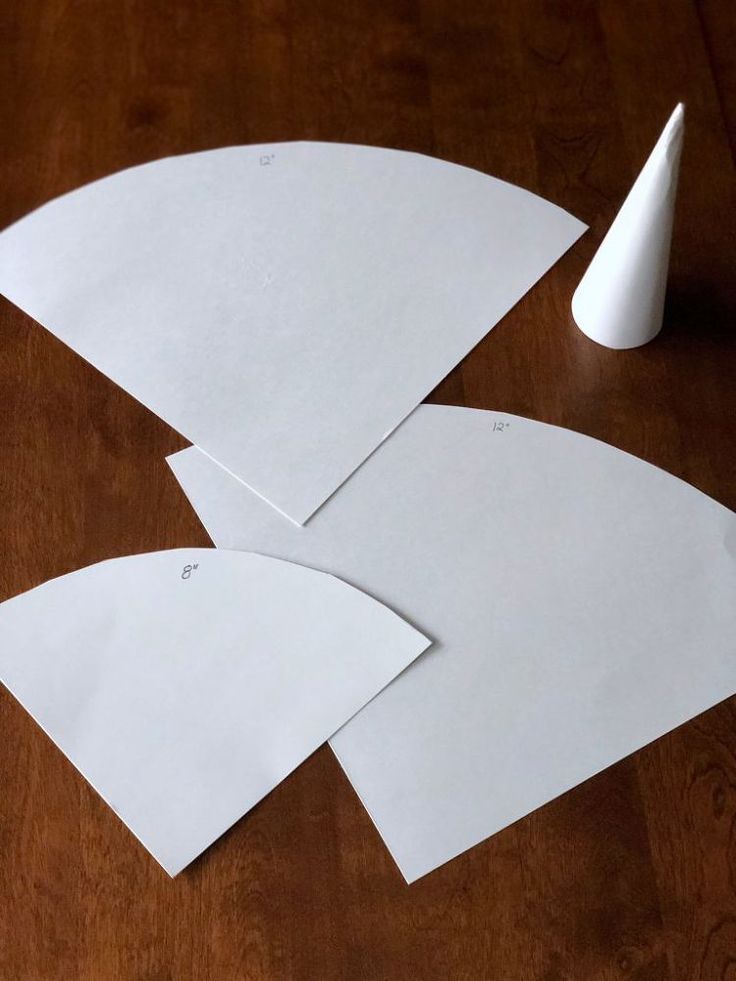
582	603
286	306
186	684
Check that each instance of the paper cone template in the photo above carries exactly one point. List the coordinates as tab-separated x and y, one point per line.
620	300
581	603
184	685
283	307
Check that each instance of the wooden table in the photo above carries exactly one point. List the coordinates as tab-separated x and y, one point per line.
632	875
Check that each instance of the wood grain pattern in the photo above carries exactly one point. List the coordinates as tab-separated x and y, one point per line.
633	874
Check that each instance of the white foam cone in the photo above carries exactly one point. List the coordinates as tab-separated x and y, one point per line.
619	301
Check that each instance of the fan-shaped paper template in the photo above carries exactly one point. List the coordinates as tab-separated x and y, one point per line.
582	603
186	684
284	307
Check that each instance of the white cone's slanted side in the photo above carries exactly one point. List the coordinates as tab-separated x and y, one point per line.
581	603
620	300
286	306
184	685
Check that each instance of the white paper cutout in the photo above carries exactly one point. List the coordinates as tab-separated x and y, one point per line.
184	685
582	603
619	301
285	306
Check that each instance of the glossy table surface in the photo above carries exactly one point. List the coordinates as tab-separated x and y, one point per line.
633	874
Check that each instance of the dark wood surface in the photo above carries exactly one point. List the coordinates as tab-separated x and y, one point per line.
633	874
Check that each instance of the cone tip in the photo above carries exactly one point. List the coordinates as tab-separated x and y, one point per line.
677	118
671	138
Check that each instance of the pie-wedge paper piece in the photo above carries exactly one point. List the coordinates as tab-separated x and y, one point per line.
582	603
285	307
186	684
